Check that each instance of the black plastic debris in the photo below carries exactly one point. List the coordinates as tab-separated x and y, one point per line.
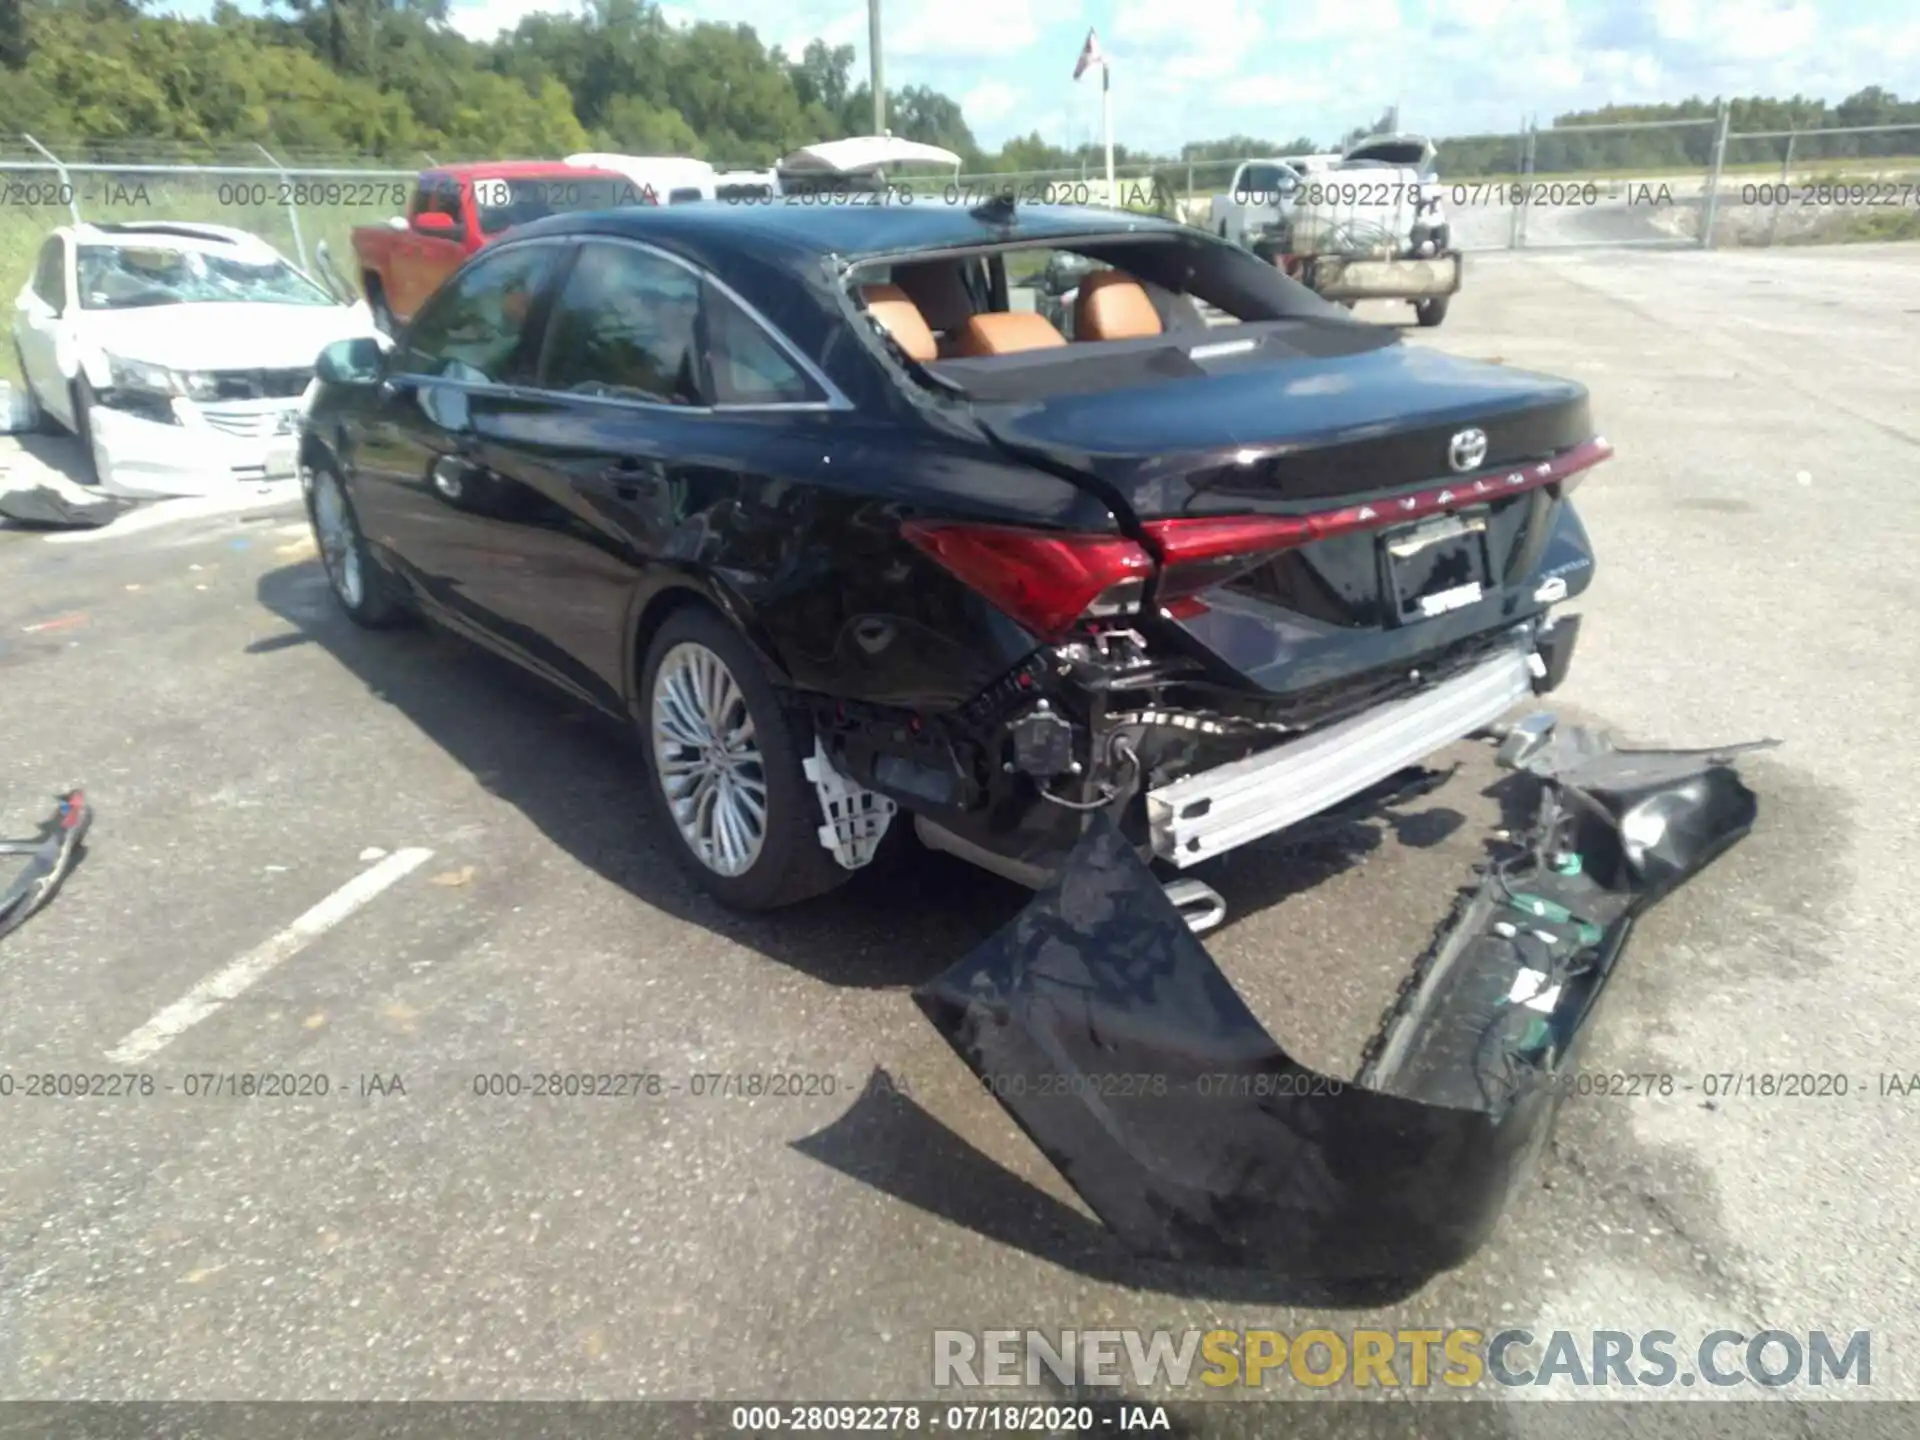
1104	1028
51	856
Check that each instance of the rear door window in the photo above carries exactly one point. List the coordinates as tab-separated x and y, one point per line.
749	366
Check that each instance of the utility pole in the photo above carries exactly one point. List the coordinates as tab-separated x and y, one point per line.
875	70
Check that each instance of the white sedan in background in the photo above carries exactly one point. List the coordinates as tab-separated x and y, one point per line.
177	354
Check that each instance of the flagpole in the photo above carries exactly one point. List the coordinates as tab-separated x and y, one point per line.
1106	116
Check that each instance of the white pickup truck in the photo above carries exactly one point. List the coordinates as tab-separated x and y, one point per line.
1257	204
1369	226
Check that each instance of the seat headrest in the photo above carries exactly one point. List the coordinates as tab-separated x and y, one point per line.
1112	305
1007	333
936	287
901	319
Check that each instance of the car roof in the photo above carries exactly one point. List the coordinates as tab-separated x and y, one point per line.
514	169
792	234
131	232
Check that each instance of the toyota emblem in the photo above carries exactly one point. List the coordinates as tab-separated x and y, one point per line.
1467	450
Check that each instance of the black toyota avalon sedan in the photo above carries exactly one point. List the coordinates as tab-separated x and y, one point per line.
820	500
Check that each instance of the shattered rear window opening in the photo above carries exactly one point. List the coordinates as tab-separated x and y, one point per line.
1216	308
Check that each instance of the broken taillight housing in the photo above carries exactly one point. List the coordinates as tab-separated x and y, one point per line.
1047	580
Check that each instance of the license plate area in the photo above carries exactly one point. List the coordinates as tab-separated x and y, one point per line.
1436	566
283	455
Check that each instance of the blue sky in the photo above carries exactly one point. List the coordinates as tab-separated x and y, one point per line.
1194	69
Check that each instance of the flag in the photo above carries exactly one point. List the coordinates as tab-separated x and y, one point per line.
1089	56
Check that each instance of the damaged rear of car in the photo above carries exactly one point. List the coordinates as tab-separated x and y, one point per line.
1331	553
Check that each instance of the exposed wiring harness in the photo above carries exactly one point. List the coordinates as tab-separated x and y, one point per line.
1123	751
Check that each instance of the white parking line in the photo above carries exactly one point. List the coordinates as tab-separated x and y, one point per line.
243	974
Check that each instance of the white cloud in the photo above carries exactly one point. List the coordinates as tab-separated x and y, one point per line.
940	30
1276	91
484	19
1199	41
989	102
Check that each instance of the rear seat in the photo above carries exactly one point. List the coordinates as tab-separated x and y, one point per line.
1008	333
1112	305
936	287
901	319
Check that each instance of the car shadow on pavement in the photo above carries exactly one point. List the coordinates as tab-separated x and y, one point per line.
578	777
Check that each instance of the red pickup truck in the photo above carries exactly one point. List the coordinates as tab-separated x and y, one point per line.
458	209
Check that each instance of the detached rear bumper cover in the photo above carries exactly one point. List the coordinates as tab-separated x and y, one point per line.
1113	1040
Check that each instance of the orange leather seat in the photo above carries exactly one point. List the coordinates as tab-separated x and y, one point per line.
901	319
936	287
1112	305
1008	333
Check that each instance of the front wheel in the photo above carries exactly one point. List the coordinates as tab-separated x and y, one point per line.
34	416
81	399
371	597
1431	312
725	765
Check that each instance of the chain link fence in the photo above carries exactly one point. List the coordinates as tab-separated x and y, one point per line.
1680	182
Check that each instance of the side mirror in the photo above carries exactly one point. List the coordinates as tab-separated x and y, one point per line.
432	222
358	361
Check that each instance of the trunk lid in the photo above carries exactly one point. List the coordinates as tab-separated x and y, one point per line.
1269	430
1416	496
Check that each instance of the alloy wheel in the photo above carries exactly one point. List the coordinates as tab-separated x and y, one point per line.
339	545
708	759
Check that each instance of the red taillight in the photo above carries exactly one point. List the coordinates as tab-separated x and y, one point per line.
1046	580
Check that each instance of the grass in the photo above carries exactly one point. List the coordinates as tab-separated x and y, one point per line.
1862	227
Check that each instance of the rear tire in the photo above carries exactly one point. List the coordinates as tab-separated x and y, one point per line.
724	769
371	597
1431	312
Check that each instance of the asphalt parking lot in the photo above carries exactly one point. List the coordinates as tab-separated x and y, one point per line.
248	751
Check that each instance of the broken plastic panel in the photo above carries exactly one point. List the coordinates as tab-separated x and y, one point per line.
1100	1022
857	818
51	857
